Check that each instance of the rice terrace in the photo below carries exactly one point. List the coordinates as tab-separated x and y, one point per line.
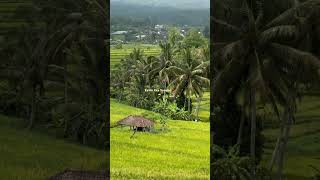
160	93
142	154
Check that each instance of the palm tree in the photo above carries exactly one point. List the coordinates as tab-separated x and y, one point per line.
164	61
188	76
256	46
34	58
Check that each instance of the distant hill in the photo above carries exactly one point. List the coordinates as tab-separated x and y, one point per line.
159	14
180	4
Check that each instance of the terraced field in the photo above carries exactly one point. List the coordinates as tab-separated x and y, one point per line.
304	143
7	11
31	155
181	152
204	109
117	54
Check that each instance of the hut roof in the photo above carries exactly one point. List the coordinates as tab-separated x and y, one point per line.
137	121
79	174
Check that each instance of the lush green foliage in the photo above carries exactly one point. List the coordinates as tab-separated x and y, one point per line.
229	165
170	110
263	57
54	69
179	72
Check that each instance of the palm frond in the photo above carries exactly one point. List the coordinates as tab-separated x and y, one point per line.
294	56
227	26
289	15
288	32
226	79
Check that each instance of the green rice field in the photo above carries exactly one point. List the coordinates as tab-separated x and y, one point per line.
29	155
180	152
117	54
304	144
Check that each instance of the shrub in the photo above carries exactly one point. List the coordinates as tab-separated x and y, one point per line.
226	124
316	176
171	110
229	165
118	46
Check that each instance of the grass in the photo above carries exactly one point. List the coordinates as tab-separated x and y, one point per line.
27	155
181	152
304	143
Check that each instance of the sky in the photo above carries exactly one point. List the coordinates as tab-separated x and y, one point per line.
181	4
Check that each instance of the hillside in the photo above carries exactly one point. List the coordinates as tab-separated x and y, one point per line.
36	156
182	152
304	143
160	15
7	11
180	4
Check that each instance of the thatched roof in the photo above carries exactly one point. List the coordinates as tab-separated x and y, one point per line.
137	121
80	175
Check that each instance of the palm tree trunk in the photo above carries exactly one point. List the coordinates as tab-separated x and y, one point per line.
198	107
185	102
241	127
275	153
33	107
66	119
283	143
253	131
189	103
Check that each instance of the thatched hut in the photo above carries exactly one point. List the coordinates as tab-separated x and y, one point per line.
80	175
137	123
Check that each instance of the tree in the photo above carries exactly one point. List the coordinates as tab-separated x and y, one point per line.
194	38
174	37
188	76
165	61
258	51
68	30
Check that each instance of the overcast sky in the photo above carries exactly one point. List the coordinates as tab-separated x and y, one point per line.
181	4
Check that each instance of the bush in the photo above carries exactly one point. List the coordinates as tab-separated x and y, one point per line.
316	175
144	101
171	110
226	128
118	46
230	165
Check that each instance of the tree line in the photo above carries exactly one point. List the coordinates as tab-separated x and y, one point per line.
265	55
182	67
53	69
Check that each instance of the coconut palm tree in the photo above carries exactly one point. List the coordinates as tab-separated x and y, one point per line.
189	76
164	61
32	59
257	45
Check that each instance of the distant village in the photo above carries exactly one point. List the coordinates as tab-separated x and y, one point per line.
151	35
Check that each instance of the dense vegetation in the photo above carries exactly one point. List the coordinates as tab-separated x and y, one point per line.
265	58
165	82
179	73
53	69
